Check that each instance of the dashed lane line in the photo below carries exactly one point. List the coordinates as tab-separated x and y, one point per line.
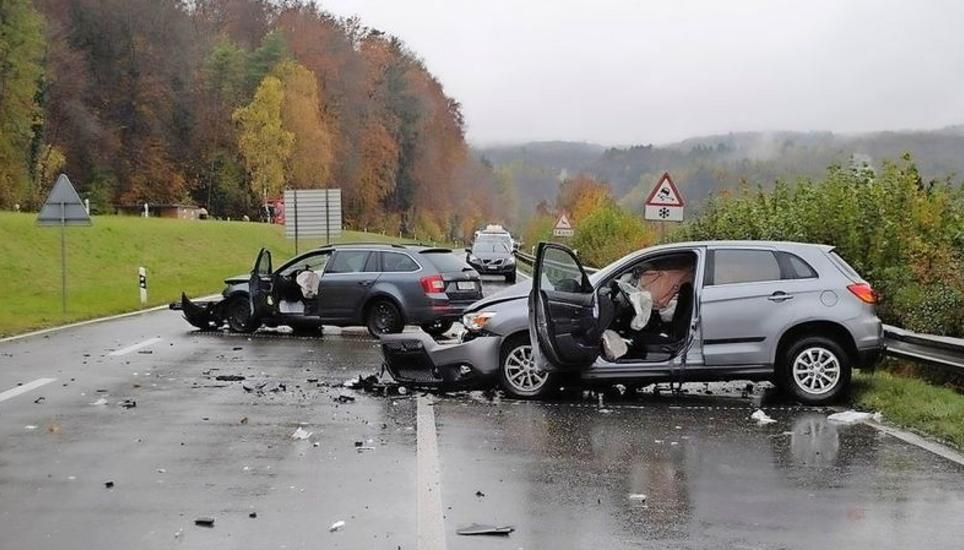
11	393
134	347
430	526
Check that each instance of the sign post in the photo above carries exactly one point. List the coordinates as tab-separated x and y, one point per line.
63	207
142	283
665	203
563	227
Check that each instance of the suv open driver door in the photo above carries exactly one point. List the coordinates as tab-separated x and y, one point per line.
564	320
259	286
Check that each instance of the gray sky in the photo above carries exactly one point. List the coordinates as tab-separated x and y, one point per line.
625	72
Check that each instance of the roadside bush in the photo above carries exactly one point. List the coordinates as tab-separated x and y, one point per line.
904	235
609	233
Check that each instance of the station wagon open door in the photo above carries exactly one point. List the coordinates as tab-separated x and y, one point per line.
259	285
563	311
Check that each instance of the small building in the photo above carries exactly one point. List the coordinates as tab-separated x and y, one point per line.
178	211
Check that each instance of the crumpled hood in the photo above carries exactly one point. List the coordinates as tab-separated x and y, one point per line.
519	291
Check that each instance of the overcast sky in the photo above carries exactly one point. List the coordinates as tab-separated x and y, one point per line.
626	72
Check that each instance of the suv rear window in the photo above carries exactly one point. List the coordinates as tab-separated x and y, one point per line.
445	261
843	266
742	266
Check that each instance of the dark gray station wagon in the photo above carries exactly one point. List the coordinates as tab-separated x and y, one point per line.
381	286
793	313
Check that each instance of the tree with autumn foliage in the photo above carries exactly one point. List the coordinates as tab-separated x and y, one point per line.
263	141
309	165
581	196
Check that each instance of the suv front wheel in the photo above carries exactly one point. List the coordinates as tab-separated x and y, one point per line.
815	370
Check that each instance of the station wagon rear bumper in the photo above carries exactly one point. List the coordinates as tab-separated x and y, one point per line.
416	359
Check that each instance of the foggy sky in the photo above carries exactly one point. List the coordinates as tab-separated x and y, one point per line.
627	72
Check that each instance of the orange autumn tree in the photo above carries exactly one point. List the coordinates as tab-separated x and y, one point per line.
582	195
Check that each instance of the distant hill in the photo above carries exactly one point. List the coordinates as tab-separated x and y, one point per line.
706	164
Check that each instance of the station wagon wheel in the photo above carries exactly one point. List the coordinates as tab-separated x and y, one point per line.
816	370
518	374
384	318
238	315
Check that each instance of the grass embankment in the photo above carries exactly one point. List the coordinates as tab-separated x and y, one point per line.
102	262
911	402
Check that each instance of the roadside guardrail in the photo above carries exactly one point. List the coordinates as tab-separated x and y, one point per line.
939	351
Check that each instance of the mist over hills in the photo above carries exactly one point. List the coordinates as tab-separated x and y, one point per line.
708	164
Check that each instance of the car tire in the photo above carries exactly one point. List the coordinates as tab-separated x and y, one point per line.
516	371
510	278
237	313
383	317
815	370
437	328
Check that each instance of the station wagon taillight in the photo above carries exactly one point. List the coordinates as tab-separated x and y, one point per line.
432	284
864	291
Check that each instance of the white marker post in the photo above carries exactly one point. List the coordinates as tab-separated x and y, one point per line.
142	282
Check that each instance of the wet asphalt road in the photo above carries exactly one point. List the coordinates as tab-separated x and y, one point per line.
561	473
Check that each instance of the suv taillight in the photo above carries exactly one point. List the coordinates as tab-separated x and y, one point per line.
864	291
432	284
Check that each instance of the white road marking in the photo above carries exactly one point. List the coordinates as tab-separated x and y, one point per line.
25	388
914	439
430	527
134	347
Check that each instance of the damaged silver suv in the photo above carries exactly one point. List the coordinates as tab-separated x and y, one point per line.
793	313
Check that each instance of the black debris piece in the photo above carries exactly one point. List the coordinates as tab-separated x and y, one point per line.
480	529
39	400
263	386
344	398
229	377
479	494
237	348
312	380
359	443
128	403
253	515
146	352
244	419
204	522
109	484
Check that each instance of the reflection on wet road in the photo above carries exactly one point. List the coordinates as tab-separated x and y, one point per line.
564	473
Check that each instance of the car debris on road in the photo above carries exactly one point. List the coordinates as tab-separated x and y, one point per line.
761	417
480	529
853	417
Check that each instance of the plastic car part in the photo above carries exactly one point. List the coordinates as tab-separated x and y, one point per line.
205	315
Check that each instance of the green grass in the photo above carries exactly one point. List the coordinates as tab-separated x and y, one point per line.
102	262
914	403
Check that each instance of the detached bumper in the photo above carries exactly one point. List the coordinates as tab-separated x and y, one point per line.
418	360
203	315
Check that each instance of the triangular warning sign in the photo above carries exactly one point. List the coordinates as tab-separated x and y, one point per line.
563	222
665	193
63	206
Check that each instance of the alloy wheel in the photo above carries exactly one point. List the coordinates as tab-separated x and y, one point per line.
521	371
816	370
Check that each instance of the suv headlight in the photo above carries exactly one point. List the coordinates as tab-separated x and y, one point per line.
510	260
476	321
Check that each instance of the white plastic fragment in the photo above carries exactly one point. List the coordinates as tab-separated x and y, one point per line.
852	417
30	427
637	496
301	433
99	402
761	418
336	526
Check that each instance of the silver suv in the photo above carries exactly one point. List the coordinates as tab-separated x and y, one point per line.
792	313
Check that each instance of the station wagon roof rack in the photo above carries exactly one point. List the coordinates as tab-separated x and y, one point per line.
363	243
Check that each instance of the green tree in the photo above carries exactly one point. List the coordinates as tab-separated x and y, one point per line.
264	143
311	154
21	70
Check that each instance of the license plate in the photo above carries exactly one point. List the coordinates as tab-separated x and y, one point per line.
465	285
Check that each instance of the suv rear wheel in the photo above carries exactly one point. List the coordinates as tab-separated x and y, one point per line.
815	370
518	374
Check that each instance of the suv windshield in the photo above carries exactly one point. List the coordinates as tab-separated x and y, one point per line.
491	244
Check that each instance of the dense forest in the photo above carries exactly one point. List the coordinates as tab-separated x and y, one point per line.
220	103
704	166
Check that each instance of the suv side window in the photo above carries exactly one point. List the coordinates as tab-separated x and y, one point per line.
348	261
396	262
794	267
728	266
